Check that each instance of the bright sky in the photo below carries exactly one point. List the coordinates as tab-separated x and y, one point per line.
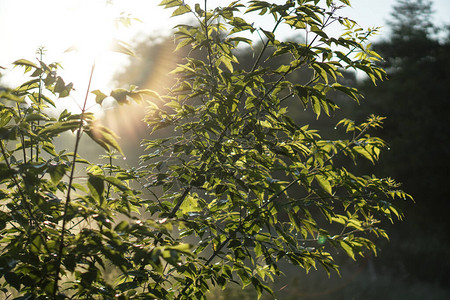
58	25
26	25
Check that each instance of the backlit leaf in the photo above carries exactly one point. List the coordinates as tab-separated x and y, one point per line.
324	183
99	96
181	10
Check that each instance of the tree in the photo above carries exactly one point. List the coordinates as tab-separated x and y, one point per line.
411	19
415	102
234	188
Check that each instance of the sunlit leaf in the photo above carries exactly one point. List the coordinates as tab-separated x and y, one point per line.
96	186
120	95
25	63
122	47
103	136
150	93
181	10
10	96
56	172
324	183
170	3
99	96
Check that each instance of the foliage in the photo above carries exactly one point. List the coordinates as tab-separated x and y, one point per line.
411	19
415	102
235	188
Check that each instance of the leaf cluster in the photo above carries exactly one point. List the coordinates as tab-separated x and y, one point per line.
238	175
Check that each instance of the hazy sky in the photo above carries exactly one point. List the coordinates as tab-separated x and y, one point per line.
58	24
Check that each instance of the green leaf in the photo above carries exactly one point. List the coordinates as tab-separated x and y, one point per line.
102	136
120	95
122	226
56	172
61	88
244	276
99	96
347	248
319	32
117	183
270	36
96	186
324	183
184	248
315	105
48	100
25	63
9	96
190	204
170	3
181	10
59	85
363	151
58	127
173	104
36	117
227	63
150	93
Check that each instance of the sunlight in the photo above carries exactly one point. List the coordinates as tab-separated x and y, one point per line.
88	26
97	35
92	30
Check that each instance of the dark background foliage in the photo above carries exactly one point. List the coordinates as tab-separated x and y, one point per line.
416	101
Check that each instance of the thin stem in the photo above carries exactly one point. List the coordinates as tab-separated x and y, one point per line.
258	59
175	210
108	191
219	140
208	42
39	103
22	138
39	110
266	45
69	189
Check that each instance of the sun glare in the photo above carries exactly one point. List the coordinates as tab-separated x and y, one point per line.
93	33
92	27
89	28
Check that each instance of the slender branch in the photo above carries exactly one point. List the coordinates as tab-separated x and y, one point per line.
218	141
39	104
258	59
208	42
108	191
69	189
22	137
175	210
266	44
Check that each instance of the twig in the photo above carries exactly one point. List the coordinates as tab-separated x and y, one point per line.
69	189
